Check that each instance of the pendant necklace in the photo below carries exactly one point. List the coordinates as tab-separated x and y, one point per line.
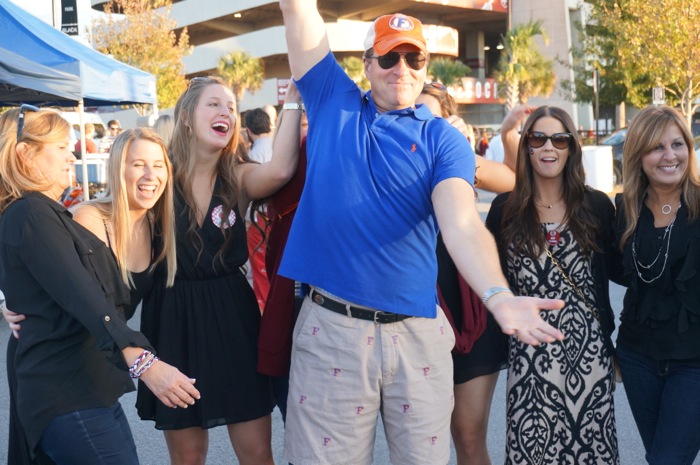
666	208
664	247
539	204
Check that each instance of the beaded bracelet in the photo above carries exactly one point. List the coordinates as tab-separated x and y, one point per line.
142	363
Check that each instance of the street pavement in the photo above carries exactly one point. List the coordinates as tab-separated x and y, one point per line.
152	449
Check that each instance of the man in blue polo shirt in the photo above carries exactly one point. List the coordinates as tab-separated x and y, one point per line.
382	175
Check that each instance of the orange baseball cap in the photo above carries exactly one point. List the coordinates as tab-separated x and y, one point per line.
388	31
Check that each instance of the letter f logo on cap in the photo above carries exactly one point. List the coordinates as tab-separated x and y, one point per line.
401	23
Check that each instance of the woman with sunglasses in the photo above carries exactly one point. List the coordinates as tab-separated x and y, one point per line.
658	343
71	364
555	238
208	322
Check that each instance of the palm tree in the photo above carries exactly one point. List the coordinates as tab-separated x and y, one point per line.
242	72
447	71
523	69
355	69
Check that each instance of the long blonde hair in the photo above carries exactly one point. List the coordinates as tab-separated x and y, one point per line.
16	174
114	206
644	133
183	148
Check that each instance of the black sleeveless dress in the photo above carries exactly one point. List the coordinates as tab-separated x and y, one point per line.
207	326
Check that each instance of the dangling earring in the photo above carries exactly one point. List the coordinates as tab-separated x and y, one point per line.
532	151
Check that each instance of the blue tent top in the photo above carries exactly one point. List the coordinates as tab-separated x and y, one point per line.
41	64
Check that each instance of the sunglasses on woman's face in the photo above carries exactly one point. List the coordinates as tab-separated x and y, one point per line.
560	140
414	60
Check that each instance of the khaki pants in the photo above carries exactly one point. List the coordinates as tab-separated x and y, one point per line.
345	371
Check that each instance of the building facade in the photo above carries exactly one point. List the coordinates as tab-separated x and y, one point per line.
470	30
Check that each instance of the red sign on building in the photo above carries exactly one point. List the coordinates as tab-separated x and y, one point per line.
473	90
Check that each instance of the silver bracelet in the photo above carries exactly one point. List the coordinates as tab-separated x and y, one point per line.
293	106
492	292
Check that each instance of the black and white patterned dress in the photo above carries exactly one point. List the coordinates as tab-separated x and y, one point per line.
560	395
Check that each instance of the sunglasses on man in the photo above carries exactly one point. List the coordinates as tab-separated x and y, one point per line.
560	140
414	60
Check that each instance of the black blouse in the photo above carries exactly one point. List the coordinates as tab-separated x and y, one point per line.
64	279
661	319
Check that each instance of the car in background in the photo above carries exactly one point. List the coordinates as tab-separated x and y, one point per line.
616	140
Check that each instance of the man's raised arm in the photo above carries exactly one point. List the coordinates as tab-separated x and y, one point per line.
307	41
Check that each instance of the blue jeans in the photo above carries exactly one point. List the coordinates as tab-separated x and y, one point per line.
665	401
96	436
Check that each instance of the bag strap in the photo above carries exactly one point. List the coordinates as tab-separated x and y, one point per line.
593	310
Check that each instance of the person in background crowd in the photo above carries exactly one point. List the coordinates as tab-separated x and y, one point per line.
208	322
114	128
658	344
272	113
72	362
381	176
282	305
495	152
89	142
555	238
164	126
483	144
259	130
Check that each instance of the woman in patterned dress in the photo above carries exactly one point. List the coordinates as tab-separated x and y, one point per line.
559	395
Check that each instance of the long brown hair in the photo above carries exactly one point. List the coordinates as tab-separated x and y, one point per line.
520	223
40	127
644	133
183	148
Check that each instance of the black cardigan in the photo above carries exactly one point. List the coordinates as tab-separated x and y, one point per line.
605	262
65	280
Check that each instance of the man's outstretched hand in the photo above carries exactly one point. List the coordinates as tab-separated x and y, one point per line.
520	317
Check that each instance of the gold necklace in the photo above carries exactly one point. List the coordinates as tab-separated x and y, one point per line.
539	204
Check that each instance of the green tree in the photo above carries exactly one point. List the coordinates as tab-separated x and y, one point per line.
595	50
523	71
355	68
447	71
655	44
144	38
243	73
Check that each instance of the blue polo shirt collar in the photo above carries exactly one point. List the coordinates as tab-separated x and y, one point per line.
421	112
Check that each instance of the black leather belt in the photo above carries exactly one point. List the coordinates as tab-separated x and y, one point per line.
355	312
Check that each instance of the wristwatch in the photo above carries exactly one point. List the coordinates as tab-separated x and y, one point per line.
293	106
492	292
